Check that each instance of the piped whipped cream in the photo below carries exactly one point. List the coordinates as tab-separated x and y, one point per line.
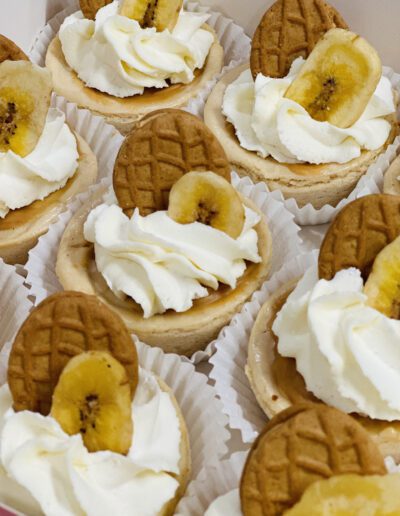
115	55
162	264
228	504
43	466
46	169
347	352
268	123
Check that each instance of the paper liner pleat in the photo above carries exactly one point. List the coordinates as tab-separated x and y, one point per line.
212	482
201	409
15	303
229	360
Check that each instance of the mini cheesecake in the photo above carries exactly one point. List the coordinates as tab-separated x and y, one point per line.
319	185
183	333
124	113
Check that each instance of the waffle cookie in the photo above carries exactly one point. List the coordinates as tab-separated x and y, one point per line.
61	327
289	29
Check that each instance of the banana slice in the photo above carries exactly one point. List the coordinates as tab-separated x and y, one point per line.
25	92
338	79
207	198
383	285
93	398
350	495
161	14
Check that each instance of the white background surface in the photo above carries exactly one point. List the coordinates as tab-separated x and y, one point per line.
377	20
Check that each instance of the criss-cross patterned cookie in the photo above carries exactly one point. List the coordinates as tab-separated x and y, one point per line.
290	29
61	327
299	446
358	233
153	157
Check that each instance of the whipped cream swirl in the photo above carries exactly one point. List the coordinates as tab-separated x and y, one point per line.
347	352
164	265
45	470
46	169
268	123
115	55
228	504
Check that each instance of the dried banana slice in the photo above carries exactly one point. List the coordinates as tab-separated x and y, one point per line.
207	198
383	285
25	93
338	79
93	398
161	14
351	495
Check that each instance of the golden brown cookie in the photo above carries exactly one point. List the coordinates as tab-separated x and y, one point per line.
358	233
90	7
61	327
290	29
301	445
10	51
160	151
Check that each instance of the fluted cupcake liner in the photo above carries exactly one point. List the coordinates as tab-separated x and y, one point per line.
212	482
40	268
221	478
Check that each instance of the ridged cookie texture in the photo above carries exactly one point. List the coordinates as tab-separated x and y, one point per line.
290	29
154	156
61	327
359	233
301	445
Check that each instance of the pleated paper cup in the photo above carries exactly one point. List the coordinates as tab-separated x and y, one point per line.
213	482
41	265
15	302
197	400
229	360
235	42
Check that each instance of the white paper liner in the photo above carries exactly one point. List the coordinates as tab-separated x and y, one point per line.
200	407
40	268
15	303
212	482
371	182
232	37
231	383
